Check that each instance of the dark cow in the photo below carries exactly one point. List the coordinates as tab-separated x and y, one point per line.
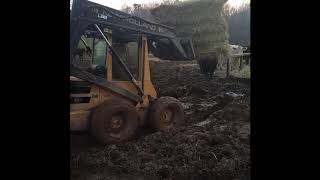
208	63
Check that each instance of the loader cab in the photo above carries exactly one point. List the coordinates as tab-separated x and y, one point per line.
93	55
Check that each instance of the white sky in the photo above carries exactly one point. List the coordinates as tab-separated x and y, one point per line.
117	4
237	3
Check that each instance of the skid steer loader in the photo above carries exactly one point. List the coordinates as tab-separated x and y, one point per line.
111	93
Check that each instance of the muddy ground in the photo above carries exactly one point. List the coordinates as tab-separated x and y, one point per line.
214	143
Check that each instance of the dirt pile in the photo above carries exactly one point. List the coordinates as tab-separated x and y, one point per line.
214	143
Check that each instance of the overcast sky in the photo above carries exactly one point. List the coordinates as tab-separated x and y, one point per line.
117	4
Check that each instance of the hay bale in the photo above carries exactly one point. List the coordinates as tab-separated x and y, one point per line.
202	18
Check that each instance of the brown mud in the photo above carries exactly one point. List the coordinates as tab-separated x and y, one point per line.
213	144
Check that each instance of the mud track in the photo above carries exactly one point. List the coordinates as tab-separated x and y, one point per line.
214	143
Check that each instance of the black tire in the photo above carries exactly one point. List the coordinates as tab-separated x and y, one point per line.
157	113
114	121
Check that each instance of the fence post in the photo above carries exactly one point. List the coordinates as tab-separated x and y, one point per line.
240	66
228	64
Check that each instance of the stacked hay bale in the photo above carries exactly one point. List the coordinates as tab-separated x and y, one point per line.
202	19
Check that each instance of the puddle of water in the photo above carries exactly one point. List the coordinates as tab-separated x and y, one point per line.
203	122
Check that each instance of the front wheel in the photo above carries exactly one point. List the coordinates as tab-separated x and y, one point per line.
114	121
166	112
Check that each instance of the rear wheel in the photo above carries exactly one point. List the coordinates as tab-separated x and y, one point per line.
166	112
114	121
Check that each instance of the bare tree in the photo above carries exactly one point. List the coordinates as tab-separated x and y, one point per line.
127	9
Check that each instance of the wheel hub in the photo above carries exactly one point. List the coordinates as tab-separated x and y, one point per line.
116	122
167	117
